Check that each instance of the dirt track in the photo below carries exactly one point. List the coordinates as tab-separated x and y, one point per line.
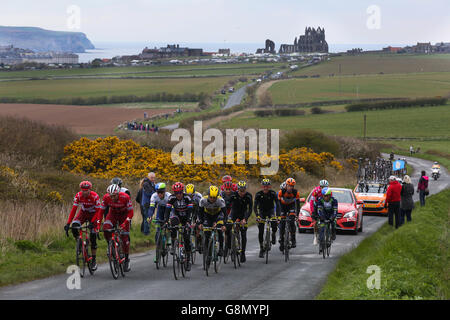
82	119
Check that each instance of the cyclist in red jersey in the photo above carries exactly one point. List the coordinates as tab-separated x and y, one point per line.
89	203
121	212
289	199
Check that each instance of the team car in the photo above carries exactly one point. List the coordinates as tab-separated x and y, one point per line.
349	216
373	196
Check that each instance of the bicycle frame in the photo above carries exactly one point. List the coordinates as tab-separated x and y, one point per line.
83	239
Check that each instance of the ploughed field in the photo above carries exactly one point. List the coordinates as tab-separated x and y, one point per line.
81	119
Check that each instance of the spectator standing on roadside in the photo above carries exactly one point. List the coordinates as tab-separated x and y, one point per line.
139	200
393	201
148	186
411	150
406	202
422	188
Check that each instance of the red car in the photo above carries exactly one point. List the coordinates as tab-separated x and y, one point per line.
349	216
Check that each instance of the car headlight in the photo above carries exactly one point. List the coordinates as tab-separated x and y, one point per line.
350	214
305	213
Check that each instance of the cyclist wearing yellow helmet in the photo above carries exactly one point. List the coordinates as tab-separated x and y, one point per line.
241	210
196	197
212	210
266	202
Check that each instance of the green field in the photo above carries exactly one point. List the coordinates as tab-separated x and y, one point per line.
170	70
360	87
411	122
376	63
412	260
52	89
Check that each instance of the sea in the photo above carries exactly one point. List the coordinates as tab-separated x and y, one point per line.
108	50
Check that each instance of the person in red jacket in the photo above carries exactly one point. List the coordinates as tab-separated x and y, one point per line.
89	203
121	212
393	201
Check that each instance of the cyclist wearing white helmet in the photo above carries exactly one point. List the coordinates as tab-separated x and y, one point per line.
120	212
316	195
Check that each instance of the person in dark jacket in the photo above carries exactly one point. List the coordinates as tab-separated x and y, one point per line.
393	201
406	202
139	200
148	188
422	187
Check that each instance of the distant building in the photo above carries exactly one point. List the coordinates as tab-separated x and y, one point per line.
225	51
11	55
312	41
423	47
392	49
170	51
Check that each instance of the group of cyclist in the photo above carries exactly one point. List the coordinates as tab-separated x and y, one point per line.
219	208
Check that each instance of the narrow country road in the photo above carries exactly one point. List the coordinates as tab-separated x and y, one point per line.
300	278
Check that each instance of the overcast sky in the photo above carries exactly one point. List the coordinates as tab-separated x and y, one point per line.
249	21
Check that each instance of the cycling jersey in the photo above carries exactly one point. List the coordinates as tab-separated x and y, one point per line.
156	201
289	200
182	208
228	202
316	195
241	207
90	204
266	203
122	206
196	197
327	210
212	211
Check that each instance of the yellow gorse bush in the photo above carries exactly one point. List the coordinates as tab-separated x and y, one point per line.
110	157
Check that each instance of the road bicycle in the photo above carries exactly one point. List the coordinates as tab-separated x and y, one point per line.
116	256
325	240
236	244
179	257
83	258
287	235
162	245
211	253
267	243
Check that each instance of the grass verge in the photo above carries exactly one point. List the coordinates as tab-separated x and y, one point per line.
413	259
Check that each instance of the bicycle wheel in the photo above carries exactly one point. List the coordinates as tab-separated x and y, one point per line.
286	242
120	257
323	244
182	257
88	258
328	240
238	247
233	252
113	263
165	252
208	255
193	248
217	259
267	244
158	251
176	261
81	263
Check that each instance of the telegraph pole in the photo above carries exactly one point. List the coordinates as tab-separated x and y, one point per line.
365	116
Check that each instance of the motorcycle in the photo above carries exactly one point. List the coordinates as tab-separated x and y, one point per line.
435	174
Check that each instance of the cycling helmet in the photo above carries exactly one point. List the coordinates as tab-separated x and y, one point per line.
290	182
85	185
160	187
265	182
283	185
228	185
435	162
113	189
178	187
327	192
190	189
117	181
213	191
323	183
242	185
226	178
235	187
